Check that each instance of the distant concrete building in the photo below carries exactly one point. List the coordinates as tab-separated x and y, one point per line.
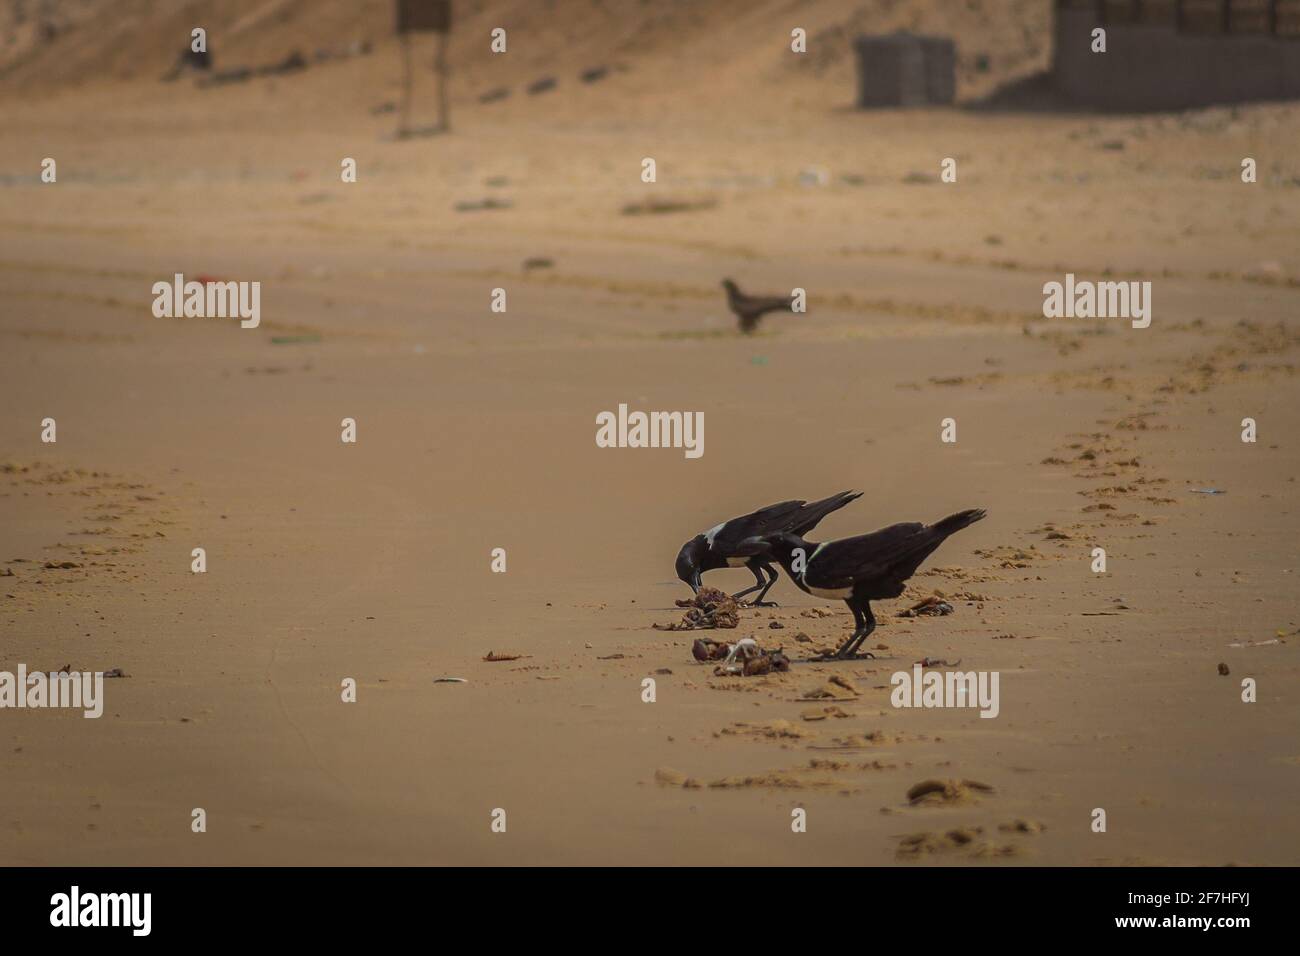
1177	54
905	69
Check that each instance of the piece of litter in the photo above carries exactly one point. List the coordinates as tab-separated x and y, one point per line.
938	662
474	205
1208	491
945	791
657	205
932	606
709	608
745	658
450	680
705	649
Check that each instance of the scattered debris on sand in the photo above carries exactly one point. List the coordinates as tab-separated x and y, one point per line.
1022	826
811	777
111	672
772	729
494	656
660	206
932	606
963	840
707	649
744	658
938	662
710	608
821	713
668	777
747	659
767	662
476	205
874	738
1223	669
836	688
877	765
931	792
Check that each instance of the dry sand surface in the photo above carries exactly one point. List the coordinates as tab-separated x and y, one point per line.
372	561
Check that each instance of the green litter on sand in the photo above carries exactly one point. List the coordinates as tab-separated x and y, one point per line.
294	339
758	360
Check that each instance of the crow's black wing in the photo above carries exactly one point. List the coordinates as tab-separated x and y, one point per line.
767	520
810	514
838	564
881	562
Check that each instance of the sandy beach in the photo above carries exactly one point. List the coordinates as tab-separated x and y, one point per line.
373	560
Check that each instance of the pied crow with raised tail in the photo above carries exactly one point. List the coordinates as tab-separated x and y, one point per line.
738	543
858	570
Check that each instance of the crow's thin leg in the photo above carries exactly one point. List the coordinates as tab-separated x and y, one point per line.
864	630
759	602
859	623
761	582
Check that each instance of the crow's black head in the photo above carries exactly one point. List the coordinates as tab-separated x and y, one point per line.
688	561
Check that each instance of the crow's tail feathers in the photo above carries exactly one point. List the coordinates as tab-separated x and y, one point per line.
927	541
954	523
807	517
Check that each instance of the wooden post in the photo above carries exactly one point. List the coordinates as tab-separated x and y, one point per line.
1272	17
1178	15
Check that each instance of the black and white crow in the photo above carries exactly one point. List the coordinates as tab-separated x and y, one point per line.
738	542
749	309
865	568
